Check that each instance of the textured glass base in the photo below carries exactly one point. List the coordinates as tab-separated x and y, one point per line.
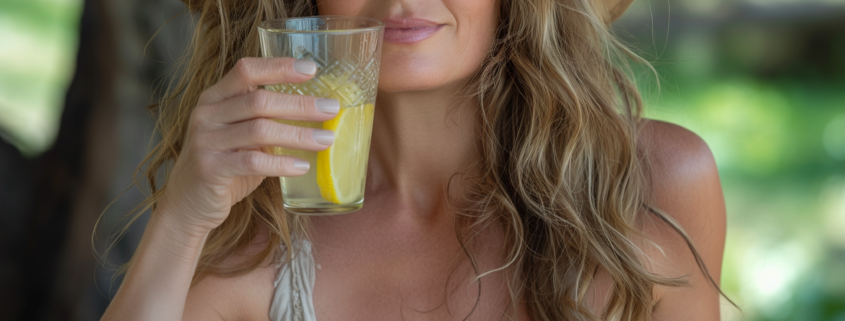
334	209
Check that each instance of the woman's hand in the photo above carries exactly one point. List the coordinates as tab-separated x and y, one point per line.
221	161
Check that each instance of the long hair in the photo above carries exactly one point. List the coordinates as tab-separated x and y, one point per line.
561	168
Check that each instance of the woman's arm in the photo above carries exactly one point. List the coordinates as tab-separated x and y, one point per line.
687	188
219	164
157	283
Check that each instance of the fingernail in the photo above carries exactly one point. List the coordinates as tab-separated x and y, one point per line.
302	165
306	67
328	105
322	136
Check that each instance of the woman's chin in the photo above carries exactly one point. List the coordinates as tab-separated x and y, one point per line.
417	71
408	82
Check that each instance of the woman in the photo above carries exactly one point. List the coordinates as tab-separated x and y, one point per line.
511	176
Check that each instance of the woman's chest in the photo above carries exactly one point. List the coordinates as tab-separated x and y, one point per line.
414	271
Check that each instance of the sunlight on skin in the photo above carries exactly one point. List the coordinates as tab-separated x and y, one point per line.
774	242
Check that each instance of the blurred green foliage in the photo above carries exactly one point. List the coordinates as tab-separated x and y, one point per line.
763	83
37	54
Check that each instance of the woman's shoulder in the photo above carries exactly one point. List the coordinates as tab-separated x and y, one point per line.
683	175
675	148
240	297
686	187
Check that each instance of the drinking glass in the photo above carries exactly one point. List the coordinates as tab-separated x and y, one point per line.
347	51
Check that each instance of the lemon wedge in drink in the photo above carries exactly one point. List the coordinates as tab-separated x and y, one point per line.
341	169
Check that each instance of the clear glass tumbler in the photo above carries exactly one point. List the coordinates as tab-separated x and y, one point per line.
347	51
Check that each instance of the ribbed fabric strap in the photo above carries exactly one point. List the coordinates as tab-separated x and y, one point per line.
294	285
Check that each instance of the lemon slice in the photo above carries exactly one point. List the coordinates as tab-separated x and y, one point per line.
342	168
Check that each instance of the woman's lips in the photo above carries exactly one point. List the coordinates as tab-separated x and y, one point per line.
409	30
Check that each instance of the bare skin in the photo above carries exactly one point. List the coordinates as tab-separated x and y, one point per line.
372	278
392	259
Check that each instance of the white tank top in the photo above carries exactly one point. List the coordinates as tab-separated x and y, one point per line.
294	285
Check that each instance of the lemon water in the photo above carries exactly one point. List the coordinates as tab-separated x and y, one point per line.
335	182
347	53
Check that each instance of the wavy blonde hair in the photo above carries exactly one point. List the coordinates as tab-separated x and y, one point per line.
561	169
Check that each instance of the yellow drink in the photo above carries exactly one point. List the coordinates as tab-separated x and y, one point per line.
347	51
336	180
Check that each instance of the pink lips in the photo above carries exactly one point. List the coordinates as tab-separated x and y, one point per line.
409	30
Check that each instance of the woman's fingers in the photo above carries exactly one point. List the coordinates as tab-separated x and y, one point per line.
249	73
242	110
264	132
257	163
269	104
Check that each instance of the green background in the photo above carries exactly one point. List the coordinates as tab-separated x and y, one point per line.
763	82
38	40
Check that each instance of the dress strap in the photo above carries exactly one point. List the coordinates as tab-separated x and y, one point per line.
294	285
